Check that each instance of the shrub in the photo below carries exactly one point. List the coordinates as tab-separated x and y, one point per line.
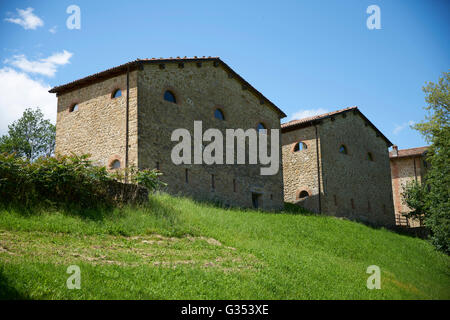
67	179
63	180
148	178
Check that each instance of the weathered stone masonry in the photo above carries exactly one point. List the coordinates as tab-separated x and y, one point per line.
318	176
350	184
200	86
98	127
407	165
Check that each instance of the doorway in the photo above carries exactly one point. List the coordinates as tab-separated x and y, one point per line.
256	200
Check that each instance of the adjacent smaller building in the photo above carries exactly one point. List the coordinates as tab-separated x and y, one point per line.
406	165
338	164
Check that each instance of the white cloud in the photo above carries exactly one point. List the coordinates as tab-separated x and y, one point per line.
60	58
53	29
401	127
27	19
307	113
46	67
18	92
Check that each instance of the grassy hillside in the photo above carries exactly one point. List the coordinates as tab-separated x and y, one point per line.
178	249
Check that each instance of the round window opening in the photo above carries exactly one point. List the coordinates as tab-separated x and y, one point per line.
303	194
218	114
300	146
73	108
117	93
115	165
260	126
169	96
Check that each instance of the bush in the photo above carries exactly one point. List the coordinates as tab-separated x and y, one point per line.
148	178
64	180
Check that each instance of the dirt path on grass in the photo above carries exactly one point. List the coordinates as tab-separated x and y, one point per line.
156	250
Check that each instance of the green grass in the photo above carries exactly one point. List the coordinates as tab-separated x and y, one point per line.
175	248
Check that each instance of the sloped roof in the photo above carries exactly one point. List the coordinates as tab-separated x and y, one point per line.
135	64
412	152
318	117
310	121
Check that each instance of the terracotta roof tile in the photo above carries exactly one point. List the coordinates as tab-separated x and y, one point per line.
408	152
318	117
306	122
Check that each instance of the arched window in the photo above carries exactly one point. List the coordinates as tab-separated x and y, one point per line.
343	149
369	156
73	108
169	96
303	194
299	146
260	126
115	164
116	94
218	114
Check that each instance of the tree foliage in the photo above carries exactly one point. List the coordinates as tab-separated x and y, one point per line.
148	178
29	137
414	197
433	198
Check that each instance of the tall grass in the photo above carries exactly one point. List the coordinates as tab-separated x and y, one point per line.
237	254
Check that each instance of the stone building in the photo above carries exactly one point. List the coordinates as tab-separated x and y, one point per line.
406	165
338	164
125	116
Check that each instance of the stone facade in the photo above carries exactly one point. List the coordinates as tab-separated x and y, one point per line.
200	86
300	169
352	184
98	127
406	165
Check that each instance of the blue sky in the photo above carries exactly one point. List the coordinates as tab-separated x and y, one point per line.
305	56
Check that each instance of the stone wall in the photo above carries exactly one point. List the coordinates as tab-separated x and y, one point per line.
127	192
199	91
300	168
354	186
98	127
351	185
403	171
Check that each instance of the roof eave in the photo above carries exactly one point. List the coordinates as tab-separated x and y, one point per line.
389	143
317	121
106	74
133	65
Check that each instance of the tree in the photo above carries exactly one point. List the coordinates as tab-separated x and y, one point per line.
29	137
414	196
436	192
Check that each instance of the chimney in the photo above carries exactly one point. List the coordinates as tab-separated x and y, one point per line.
395	150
